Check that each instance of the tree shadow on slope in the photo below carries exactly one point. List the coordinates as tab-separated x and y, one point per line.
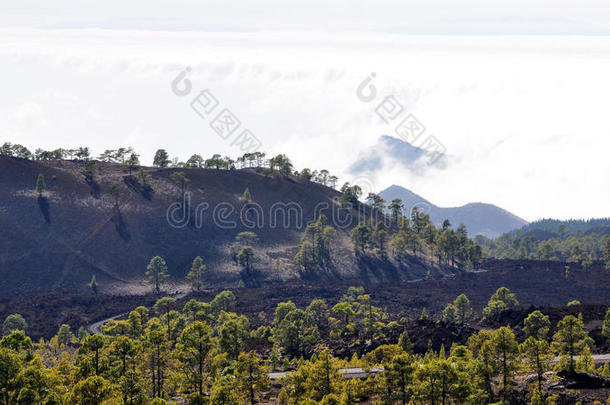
252	278
120	225
132	183
379	269
45	208
328	272
375	269
95	187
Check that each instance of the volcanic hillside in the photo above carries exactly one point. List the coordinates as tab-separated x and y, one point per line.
79	227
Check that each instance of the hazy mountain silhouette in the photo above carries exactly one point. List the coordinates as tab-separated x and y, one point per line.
396	151
480	218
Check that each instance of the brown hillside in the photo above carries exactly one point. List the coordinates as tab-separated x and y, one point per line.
74	231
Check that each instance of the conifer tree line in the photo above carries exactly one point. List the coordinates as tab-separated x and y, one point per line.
415	234
411	234
201	353
280	164
580	248
389	232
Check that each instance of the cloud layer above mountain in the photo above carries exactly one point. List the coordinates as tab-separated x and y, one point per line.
523	118
439	17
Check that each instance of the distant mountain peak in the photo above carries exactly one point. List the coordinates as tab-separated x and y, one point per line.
395	151
480	218
407	195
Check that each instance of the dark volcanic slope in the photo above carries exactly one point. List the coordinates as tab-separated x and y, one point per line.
534	282
75	231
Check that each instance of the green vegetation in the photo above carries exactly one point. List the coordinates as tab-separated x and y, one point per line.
161	159
459	311
41	186
572	241
501	300
180	179
196	274
361	237
195	161
12	323
143	177
90	171
536	325
156	273
202	354
350	195
124	156
132	161
279	165
570	340
315	250
247	196
416	235
242	251
244	257
606	325
19	151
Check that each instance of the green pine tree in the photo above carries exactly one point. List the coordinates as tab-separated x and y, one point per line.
246	196
41	186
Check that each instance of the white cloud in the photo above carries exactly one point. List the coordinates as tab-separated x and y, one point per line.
522	116
393	16
27	112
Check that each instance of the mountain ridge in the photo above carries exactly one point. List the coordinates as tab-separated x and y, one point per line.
112	225
480	218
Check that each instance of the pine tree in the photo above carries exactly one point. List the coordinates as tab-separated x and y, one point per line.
361	236
64	335
398	377
537	354
537	325
606	325
449	313
132	162
161	158
246	196
252	376
538	397
463	308
506	353
194	345
245	256
180	179
570	339
606	370
405	343
143	177
156	273
41	186
585	362
196	273
396	206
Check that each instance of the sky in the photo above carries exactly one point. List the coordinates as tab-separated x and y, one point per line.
516	91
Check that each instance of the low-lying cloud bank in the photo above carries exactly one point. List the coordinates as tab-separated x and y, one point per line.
522	118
